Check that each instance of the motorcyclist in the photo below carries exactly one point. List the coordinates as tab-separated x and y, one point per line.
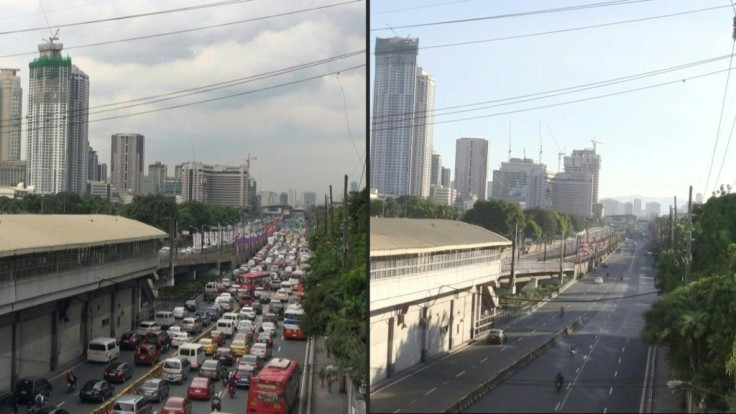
71	379
572	346
216	404
559	380
224	376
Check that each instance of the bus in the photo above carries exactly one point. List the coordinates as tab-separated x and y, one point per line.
292	318
252	279
275	388
245	296
295	278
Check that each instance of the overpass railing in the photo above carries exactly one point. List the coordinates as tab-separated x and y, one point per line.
533	267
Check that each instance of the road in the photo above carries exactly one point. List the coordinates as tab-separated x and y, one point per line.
607	373
89	370
447	379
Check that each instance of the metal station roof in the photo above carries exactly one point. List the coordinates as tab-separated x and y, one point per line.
396	236
32	233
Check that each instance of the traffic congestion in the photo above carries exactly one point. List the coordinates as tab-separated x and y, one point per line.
235	347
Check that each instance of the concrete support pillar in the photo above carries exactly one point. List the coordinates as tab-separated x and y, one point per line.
16	348
85	325
113	312
55	338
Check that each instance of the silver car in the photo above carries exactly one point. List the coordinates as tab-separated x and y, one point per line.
211	368
154	390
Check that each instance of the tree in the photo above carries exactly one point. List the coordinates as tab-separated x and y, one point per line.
155	210
498	216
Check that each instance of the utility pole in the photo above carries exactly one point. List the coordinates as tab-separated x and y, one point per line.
327	216
331	217
672	231
562	255
172	251
689	234
345	224
513	258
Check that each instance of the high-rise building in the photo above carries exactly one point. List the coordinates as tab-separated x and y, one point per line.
612	207
512	181
572	193
177	171
58	104
157	177
217	184
92	162
403	104
435	175
471	167
102	172
310	198
292	197
283	199
12	173
11	103
443	196
446	176
628	208
126	162
585	161
637	207
653	210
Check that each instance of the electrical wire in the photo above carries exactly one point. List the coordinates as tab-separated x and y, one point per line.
572	89
561	103
519	14
132	16
418	7
194	29
347	121
595	26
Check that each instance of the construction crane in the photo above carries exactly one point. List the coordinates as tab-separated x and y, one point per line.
595	142
561	151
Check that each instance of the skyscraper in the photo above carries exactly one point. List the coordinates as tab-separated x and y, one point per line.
446	176
58	103
310	198
403	101
471	167
11	102
435	176
227	185
92	162
521	180
582	162
126	162
157	177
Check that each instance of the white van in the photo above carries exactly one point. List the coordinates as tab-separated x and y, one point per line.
194	353
285	285
230	316
226	326
103	350
165	319
176	369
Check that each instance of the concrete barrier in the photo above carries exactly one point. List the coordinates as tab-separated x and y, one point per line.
502	375
154	372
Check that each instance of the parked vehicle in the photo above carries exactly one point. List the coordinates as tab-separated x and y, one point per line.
117	372
154	390
96	391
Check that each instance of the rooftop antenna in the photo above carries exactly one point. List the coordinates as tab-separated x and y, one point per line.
595	142
524	152
392	30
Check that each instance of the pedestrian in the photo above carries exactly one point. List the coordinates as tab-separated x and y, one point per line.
330	378
322	376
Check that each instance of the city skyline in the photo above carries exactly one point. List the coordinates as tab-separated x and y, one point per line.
534	76
288	104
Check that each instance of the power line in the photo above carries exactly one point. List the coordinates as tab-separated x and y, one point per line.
132	16
419	7
561	103
556	92
197	90
191	29
563	30
520	14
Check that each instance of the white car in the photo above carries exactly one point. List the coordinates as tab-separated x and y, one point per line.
269	327
260	349
245	326
598	280
147	326
180	312
179	339
174	329
247	312
227	282
282	295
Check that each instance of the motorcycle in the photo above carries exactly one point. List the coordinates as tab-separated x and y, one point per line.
573	350
70	386
216	404
231	390
558	385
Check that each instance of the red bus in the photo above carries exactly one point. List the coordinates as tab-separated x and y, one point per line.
275	389
252	279
292	319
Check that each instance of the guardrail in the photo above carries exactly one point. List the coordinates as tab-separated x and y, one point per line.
154	372
533	266
502	375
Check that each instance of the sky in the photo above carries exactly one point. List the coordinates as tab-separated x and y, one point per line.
299	133
654	142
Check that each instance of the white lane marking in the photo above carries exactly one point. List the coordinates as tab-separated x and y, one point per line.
483	360
619	360
413	401
623	349
472	366
60	404
627	340
615	374
431	391
459	374
504	348
604	410
519	339
446	381
557	407
610	391
534	330
279	348
398	411
577	370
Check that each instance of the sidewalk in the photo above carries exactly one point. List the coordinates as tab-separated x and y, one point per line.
322	400
665	400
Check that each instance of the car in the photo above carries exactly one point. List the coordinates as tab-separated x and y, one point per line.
268	327
246	326
117	372
174	329
190	305
203	317
191	326
177	405
257	307
131	404
209	345
277	308
201	388
246	336
225	355
160	338
27	387
239	347
154	390
265	337
598	280
604	265
52	410
496	336
179	339
147	326
282	295
275	284
261	349
218	337
259	291
271	317
180	312
250	361
227	282
247	312
130	340
214	312
242	377
147	354
96	391
211	368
